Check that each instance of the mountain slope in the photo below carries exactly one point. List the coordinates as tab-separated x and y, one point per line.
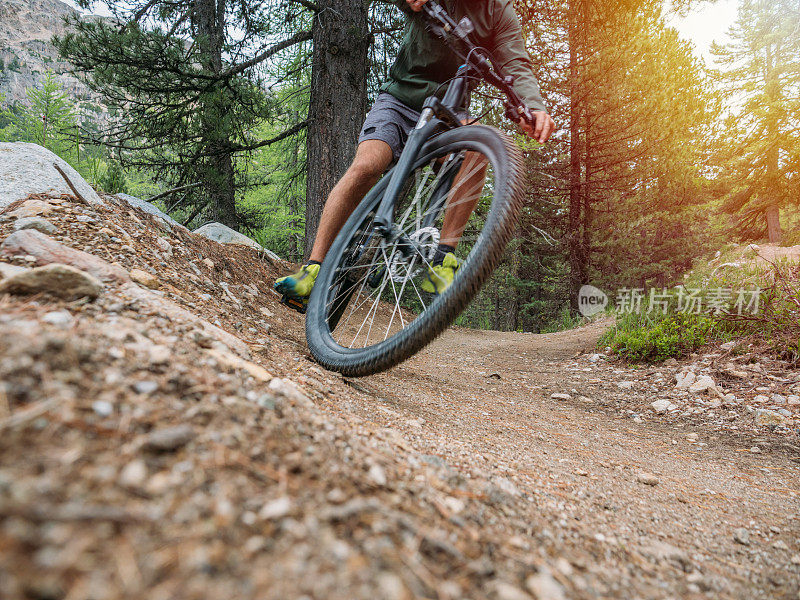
26	54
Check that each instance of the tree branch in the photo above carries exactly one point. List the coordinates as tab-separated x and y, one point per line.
289	132
302	36
200	207
140	13
173	190
309	5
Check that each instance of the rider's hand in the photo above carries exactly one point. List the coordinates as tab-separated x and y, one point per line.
416	5
542	127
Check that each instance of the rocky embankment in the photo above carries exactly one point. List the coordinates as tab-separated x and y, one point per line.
160	435
164	434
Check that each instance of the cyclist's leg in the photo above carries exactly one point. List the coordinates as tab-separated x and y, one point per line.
463	196
465	193
372	159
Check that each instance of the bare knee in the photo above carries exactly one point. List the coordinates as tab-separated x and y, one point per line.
364	170
372	158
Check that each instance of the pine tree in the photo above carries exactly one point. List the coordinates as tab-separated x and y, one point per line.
185	80
47	118
760	75
635	109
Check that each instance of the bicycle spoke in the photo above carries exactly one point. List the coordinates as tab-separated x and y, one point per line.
419	296
355	307
380	286
396	300
373	308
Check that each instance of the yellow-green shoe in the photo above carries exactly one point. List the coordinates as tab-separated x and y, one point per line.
440	277
298	285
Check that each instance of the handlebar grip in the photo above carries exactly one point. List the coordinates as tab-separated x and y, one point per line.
517	113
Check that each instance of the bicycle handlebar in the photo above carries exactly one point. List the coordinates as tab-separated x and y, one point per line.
456	35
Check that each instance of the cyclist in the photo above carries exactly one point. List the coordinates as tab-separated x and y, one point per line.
422	65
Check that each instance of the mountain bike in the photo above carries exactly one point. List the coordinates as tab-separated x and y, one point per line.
369	310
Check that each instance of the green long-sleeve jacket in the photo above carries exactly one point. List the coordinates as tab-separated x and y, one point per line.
424	61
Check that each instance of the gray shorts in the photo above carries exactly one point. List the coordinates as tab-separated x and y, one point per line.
390	121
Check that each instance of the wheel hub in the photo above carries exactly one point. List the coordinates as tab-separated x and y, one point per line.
420	249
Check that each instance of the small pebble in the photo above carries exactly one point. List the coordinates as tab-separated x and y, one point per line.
145	387
134	474
377	475
780	545
275	509
647	479
58	317
741	536
102	408
169	438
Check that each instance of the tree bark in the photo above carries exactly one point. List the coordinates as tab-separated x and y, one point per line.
586	242
338	100
772	213
218	172
574	238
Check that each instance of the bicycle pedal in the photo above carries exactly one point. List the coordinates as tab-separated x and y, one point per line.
295	304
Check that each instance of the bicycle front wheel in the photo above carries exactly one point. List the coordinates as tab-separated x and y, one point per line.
376	302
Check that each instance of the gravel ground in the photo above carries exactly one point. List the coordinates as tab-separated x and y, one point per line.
173	439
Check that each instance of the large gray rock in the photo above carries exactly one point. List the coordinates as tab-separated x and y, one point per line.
7	270
37	223
151	209
27	169
225	235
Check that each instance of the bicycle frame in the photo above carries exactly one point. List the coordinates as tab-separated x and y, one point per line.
437	116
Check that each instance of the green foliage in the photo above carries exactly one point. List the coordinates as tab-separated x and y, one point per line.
776	325
657	336
280	169
773	326
48	118
758	154
189	92
565	320
113	180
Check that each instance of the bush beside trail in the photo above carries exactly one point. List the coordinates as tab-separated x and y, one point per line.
772	325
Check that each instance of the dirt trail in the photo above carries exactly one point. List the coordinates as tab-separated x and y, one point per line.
485	398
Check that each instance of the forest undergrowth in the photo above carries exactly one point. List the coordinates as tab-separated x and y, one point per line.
768	324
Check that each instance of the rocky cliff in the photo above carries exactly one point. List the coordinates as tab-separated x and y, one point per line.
26	54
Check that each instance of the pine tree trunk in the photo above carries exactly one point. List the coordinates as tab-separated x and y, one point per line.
773	215
574	241
217	172
338	100
586	243
772	86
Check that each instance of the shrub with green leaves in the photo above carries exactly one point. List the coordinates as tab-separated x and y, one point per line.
113	180
652	337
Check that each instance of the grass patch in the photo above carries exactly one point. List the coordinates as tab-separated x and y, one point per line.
651	337
774	329
563	321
